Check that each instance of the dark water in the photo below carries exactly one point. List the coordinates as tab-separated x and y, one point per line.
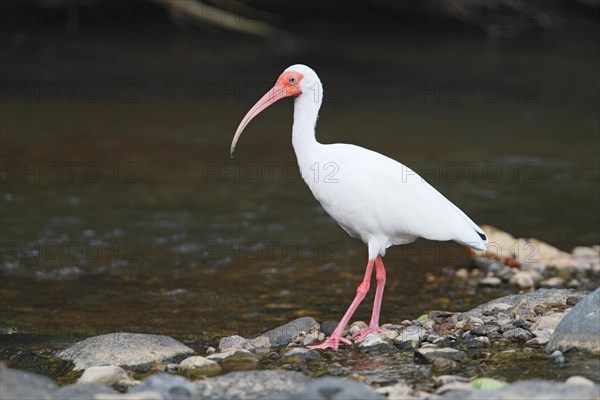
127	214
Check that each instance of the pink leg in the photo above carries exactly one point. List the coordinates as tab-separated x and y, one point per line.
374	324
336	337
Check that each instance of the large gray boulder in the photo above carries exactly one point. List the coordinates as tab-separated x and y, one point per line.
580	328
124	349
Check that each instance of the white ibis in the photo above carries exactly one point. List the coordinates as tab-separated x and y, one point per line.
371	196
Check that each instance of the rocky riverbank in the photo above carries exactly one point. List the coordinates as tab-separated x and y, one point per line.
441	354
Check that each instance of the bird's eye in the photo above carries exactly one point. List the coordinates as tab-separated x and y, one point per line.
292	79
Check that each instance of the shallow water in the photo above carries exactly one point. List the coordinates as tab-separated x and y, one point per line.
131	216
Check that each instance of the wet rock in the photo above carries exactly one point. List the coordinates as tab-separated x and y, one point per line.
253	385
282	336
517	335
356	326
484	330
542	337
197	365
546	297
440	316
548	322
572	300
299	354
525	279
169	387
234	359
429	354
410	337
579	327
234	342
337	389
261	344
454	386
444	365
397	391
328	327
557	357
532	389
84	391
553	282
16	384
446	379
108	375
124	349
580	380
491	281
377	342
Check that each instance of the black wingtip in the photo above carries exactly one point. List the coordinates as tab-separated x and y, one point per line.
482	235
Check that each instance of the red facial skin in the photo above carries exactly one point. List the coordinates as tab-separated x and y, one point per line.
291	88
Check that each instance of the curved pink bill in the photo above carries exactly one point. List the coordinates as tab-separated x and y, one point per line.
275	94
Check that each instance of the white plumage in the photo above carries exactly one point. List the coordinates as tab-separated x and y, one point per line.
371	196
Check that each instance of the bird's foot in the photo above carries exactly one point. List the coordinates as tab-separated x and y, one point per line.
331	343
363	333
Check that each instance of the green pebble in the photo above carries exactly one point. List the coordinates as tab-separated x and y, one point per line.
487	384
423	318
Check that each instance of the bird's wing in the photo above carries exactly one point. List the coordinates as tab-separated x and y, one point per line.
404	204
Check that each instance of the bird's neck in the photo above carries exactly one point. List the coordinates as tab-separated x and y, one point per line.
306	111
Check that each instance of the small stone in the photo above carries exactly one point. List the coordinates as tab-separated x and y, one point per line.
330	388
429	354
107	375
453	386
428	325
235	359
462	273
525	279
579	380
234	342
540	309
557	357
263	384
491	281
356	327
446	379
299	354
484	330
583	251
198	365
554	282
572	300
444	365
211	350
261	344
517	335
309	339
376	341
548	321
328	327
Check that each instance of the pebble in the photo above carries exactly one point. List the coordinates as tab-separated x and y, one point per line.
235	359
490	281
548	321
355	327
553	282
166	386
557	357
444	365
525	279
429	354
517	334
198	365
484	330
377	341
299	354
108	375
282	336
579	380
